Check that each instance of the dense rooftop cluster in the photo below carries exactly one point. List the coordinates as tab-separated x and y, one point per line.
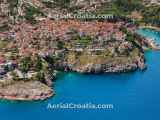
47	33
33	44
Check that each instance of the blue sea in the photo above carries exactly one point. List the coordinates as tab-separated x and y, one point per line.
135	96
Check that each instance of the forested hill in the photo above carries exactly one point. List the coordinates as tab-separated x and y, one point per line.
33	10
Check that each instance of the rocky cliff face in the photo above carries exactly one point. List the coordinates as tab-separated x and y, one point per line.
102	68
93	63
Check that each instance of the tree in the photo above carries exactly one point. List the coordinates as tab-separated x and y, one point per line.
60	45
25	65
84	40
14	75
40	76
38	64
128	5
57	3
30	14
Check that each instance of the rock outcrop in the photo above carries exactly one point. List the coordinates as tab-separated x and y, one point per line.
26	91
91	63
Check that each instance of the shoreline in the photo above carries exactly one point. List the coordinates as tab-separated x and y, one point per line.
152	43
150	27
26	91
35	98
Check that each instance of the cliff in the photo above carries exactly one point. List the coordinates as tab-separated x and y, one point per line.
25	91
103	62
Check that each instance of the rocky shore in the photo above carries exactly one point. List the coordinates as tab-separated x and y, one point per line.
107	68
87	63
150	27
26	91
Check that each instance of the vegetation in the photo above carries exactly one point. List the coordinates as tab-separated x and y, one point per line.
84	40
13	4
128	6
130	37
3	43
55	3
24	66
38	64
4	27
60	45
30	14
120	7
40	76
151	15
14	75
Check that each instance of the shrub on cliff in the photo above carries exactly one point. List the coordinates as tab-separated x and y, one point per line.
38	64
24	65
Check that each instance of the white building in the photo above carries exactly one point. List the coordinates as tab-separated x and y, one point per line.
151	2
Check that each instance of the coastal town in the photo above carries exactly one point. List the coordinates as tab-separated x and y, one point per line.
35	48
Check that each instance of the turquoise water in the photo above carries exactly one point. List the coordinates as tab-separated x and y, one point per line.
135	96
149	33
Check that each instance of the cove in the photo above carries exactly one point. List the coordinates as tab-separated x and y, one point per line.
135	96
149	33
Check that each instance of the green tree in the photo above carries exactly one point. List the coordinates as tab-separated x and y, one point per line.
38	64
30	14
24	65
85	40
40	76
14	75
57	3
60	45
